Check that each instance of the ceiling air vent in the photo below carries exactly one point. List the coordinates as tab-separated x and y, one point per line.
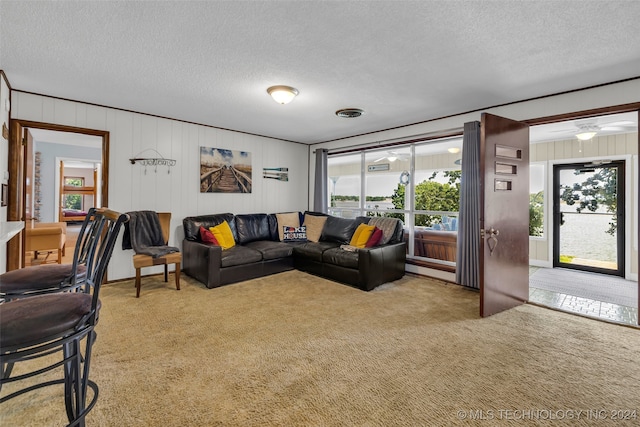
349	113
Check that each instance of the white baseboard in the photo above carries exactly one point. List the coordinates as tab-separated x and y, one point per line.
430	272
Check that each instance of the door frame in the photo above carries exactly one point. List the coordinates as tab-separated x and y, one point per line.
621	244
622	108
16	200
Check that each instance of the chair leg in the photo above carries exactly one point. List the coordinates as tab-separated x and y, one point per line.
6	371
59	256
177	276
166	272
73	395
76	380
137	283
85	383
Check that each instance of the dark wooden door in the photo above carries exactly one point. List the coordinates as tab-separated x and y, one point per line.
504	214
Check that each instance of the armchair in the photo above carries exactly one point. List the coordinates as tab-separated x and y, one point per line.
47	237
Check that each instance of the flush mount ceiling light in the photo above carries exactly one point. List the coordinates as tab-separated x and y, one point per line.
349	113
283	94
453	150
587	132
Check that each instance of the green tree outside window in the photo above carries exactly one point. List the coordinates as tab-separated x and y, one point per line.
73	201
536	214
431	195
599	189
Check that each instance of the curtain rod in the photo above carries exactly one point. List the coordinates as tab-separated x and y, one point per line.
400	140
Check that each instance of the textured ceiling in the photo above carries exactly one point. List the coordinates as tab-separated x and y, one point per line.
401	61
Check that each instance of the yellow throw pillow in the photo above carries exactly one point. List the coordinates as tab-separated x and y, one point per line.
361	235
223	235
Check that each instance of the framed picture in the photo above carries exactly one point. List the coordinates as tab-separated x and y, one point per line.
225	171
5	194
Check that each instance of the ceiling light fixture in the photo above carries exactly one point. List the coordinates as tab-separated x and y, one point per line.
453	150
587	132
349	113
283	94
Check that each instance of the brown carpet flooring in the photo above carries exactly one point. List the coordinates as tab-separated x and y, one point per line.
296	350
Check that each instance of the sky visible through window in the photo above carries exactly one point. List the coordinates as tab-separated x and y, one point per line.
377	185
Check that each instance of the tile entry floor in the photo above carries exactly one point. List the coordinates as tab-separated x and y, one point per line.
584	306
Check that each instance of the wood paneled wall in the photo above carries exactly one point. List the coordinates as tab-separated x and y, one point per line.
177	192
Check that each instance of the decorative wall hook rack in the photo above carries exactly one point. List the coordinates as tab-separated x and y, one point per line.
153	161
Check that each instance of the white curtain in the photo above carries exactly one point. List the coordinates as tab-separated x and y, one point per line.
468	255
320	189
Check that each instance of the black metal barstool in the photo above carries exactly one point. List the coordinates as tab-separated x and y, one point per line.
48	278
53	323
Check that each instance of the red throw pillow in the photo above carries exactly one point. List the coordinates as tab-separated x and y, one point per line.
207	236
375	238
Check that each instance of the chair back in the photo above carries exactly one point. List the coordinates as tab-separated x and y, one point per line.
98	234
165	224
81	250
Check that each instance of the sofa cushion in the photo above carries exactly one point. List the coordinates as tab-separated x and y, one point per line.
387	225
291	219
294	234
250	228
206	236
314	224
191	224
339	230
239	255
375	238
313	251
338	256
273	227
270	249
361	235
224	236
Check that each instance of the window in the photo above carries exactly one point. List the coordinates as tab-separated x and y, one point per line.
74	181
418	183
73	201
382	179
536	199
345	185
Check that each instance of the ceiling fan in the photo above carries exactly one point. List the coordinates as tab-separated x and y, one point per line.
586	130
392	156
